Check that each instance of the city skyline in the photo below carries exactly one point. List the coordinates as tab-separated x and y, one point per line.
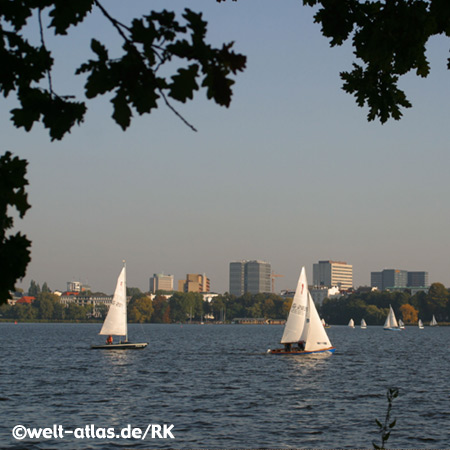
291	173
278	289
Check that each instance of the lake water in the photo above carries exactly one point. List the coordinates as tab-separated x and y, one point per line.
220	389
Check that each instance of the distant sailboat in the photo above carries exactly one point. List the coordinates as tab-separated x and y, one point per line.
420	324
351	324
115	323
433	322
391	322
363	324
303	326
325	324
401	325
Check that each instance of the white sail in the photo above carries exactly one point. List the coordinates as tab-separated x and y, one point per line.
391	321
363	323
401	324
351	323
420	324
314	333
433	322
297	314
116	319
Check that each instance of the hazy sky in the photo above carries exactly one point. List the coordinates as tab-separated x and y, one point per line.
291	173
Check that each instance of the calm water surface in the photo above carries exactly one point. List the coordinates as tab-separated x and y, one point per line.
220	389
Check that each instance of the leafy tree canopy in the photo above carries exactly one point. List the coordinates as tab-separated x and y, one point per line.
14	249
136	80
389	39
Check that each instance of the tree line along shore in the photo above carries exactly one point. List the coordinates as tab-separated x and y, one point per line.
177	307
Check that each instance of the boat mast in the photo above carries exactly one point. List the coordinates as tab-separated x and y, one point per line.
125	289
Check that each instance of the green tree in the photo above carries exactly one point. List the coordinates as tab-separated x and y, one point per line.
76	312
436	301
160	306
186	305
134	293
14	249
141	310
45	304
25	312
5	311
34	290
45	287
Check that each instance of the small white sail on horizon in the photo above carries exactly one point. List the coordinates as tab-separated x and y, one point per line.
420	324
363	324
351	323
433	322
391	321
401	325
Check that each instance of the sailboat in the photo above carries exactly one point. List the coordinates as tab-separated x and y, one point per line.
351	323
115	323
401	325
325	324
420	323
391	322
433	322
303	326
363	324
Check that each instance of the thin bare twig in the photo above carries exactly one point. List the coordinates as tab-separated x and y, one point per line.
176	112
41	32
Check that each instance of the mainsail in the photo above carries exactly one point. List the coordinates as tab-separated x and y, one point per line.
391	321
295	323
116	320
314	333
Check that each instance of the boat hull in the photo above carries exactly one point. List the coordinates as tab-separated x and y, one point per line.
121	346
282	351
392	329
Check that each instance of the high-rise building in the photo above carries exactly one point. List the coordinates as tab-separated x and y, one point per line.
418	279
250	276
194	282
333	273
161	282
398	279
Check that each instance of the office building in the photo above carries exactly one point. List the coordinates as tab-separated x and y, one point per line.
390	279
161	282
249	276
418	279
333	273
194	282
319	294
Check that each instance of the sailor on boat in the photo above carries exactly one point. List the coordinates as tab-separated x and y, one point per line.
109	340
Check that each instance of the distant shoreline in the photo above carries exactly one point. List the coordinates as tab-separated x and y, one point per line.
443	324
